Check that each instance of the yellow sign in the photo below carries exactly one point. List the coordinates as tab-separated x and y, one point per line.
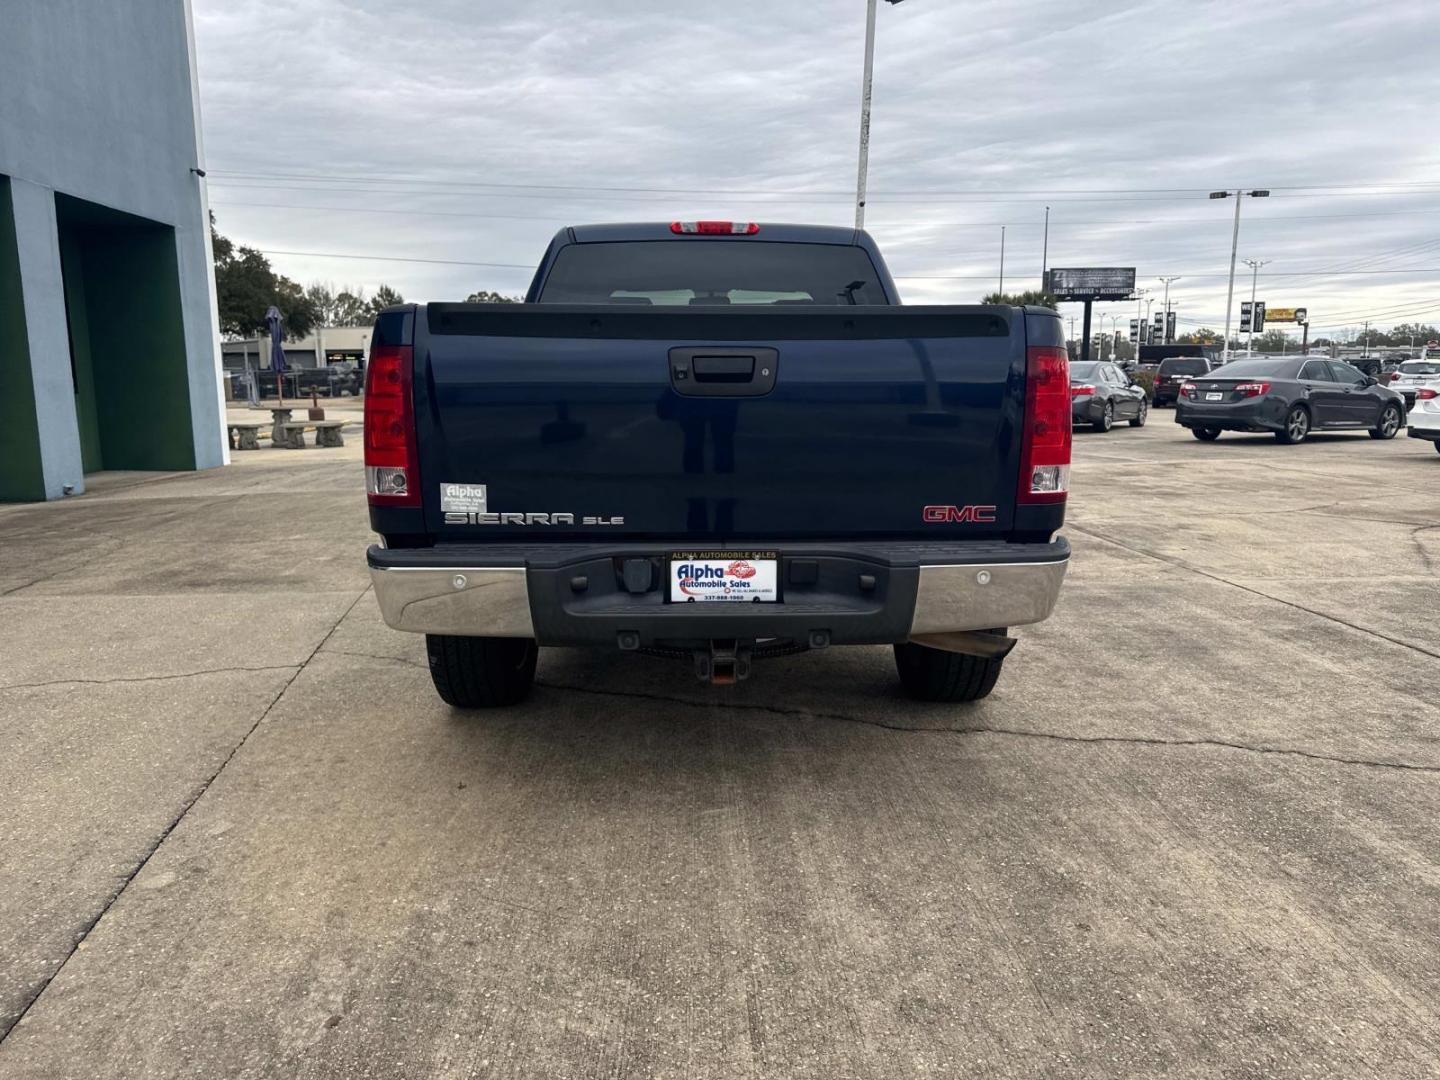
1280	314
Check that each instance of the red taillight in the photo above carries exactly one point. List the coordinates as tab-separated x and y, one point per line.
392	474
1252	389
716	228
1188	389
1045	438
1082	391
1427	394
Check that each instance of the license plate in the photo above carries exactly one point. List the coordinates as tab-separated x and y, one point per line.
1213	397
724	576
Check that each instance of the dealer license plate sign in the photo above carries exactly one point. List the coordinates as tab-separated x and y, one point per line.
724	576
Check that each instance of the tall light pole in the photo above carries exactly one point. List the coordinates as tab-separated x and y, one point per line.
1165	332
1254	265
1002	260
1139	321
1114	331
1045	252
865	112
1237	195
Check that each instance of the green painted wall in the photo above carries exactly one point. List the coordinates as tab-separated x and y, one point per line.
76	314
21	474
122	294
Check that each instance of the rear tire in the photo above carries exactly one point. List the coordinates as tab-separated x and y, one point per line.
928	674
1297	426
1142	415
1389	425
1107	418
481	673
1205	434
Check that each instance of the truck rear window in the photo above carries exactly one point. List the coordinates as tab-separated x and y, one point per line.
1184	365
702	272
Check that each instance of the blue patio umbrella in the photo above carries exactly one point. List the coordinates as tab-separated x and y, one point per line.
277	350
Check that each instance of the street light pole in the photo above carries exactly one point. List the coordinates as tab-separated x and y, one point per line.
865	115
864	165
1237	195
1002	260
1230	292
1165	330
1045	251
1254	265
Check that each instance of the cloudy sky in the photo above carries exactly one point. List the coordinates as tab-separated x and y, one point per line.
445	141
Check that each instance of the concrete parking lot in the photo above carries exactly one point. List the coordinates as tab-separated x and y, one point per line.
1191	834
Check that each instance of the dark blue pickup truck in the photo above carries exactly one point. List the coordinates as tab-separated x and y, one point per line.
716	441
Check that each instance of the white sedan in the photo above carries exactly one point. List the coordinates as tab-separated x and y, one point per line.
1411	375
1425	416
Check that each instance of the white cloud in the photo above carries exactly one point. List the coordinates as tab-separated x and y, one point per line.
1002	108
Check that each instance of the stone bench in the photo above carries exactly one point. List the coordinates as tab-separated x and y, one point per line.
244	436
327	433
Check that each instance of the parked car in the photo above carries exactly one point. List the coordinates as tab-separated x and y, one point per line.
345	378
303	381
715	440
1411	375
1289	396
1425	417
1100	394
1173	372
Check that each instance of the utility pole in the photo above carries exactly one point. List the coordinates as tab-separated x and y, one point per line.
1254	265
864	165
1139	321
1366	340
1165	335
1002	260
1045	253
1237	195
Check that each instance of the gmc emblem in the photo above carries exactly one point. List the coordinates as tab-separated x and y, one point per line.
963	515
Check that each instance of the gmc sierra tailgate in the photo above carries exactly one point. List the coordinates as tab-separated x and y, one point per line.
708	424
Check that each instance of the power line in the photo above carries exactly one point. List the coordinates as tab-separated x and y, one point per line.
580	193
1014	224
395	258
416	180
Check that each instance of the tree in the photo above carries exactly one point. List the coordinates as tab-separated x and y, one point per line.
1029	296
1203	336
246	287
1272	341
352	309
385	297
1419	333
485	296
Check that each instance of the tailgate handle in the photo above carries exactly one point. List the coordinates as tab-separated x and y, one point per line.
724	368
710	371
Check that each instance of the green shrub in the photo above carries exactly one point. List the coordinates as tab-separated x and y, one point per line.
1147	380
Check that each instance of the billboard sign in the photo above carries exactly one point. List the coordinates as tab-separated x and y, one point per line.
1091	283
1286	314
1252	317
1134	331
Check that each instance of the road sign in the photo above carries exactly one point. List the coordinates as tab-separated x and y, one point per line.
1091	283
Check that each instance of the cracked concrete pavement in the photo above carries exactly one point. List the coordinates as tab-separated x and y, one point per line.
1191	833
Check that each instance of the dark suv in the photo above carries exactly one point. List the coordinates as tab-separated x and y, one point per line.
1173	373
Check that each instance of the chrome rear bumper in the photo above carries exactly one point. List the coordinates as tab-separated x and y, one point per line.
469	601
481	601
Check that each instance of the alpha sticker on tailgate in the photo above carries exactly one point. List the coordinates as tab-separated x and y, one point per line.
462	498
